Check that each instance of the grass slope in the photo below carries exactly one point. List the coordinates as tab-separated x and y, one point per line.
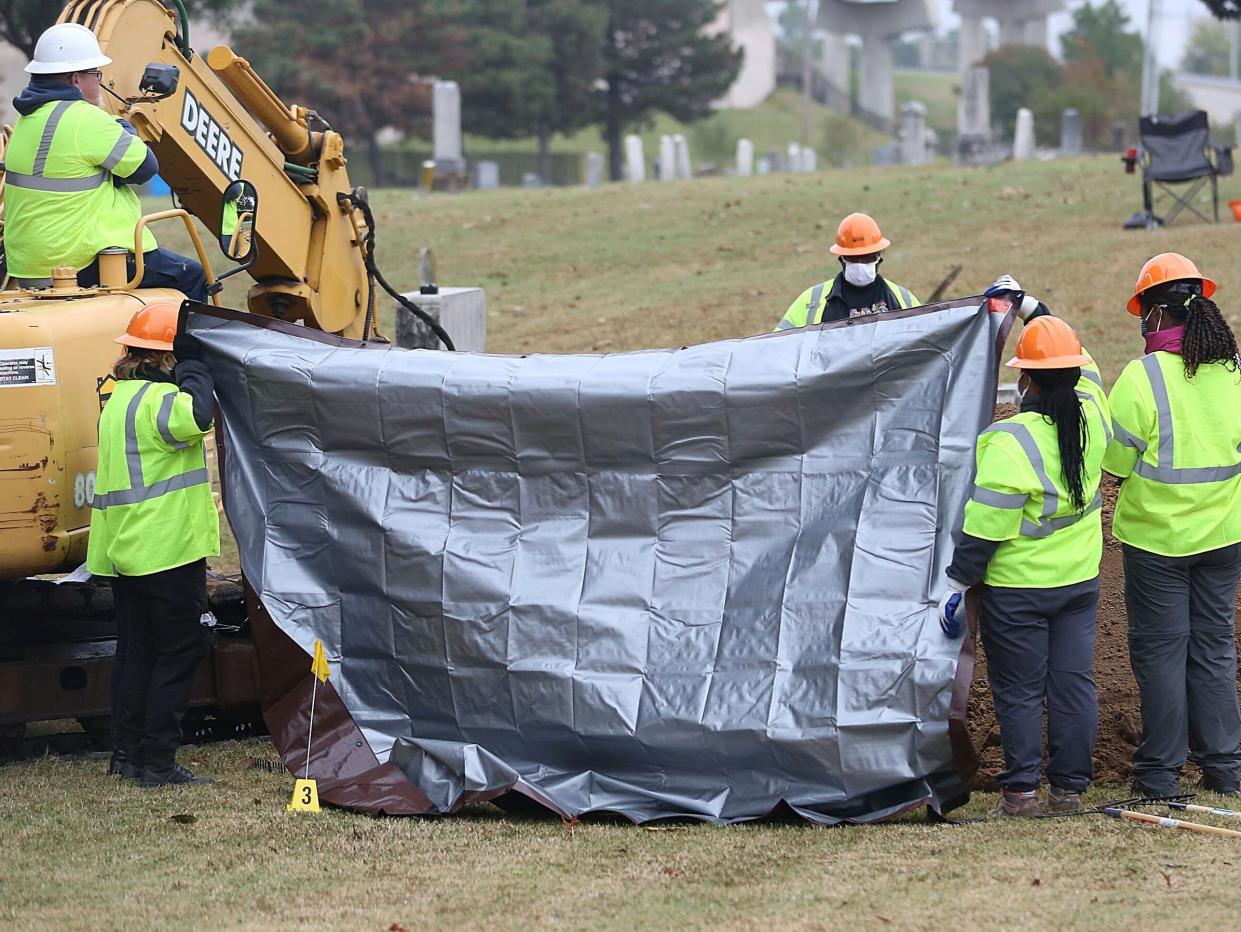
629	267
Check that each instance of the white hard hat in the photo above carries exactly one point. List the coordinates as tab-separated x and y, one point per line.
66	48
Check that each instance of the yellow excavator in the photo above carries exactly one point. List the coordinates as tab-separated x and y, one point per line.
222	138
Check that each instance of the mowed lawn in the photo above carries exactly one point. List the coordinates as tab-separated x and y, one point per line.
80	850
615	269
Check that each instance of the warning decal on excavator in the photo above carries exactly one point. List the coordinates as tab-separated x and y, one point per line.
206	131
34	365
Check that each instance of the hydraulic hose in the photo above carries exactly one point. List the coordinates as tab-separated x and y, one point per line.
374	275
183	30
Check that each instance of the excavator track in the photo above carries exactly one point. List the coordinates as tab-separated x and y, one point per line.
57	646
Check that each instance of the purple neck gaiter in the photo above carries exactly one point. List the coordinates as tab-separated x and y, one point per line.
1169	340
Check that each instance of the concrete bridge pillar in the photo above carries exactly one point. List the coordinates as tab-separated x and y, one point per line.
877	24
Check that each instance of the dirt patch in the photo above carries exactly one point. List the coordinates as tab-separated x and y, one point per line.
1120	723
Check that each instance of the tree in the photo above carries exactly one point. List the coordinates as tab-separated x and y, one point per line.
1209	50
351	60
23	21
525	68
1224	9
1102	32
1024	76
659	58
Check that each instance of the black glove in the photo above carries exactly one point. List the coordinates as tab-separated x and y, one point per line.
185	347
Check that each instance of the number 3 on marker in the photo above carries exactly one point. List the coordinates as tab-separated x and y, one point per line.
305	797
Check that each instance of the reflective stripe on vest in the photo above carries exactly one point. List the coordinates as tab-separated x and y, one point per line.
786	324
138	490
1051	496
1165	472
905	298
812	306
37	181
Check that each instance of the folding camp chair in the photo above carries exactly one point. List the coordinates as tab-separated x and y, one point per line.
1179	160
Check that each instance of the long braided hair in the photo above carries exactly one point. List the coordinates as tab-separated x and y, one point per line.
1208	338
1060	405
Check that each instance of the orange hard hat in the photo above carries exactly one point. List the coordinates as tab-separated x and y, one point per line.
859	235
1048	343
1166	267
153	327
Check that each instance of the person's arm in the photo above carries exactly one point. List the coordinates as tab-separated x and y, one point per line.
1132	409
993	513
113	145
799	311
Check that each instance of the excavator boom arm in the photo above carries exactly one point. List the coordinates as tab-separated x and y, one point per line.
222	124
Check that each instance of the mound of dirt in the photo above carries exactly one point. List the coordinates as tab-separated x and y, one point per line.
1120	722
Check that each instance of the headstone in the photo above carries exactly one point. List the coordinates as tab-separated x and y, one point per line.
1236	129
793	157
487	175
762	166
1071	132
594	169
745	157
974	116
913	133
460	311
446	127
681	147
667	159
635	159
809	160
1023	135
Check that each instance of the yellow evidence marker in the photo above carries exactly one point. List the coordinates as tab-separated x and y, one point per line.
306	792
305	797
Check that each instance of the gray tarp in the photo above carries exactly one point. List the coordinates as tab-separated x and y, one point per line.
690	582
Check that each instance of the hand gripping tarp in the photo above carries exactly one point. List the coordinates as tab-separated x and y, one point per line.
692	582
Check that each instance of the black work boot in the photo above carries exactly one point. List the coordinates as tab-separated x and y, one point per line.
121	766
1222	786
174	776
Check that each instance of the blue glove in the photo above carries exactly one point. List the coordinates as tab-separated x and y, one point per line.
1005	284
952	610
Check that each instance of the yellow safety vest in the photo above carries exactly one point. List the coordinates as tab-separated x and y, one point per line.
1021	500
812	302
152	509
1178	447
60	205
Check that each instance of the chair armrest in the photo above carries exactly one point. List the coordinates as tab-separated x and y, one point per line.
1222	160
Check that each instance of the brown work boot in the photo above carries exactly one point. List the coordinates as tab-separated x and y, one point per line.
1061	801
1018	804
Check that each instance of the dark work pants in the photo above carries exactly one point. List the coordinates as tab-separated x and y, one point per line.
162	268
1182	645
1040	649
160	616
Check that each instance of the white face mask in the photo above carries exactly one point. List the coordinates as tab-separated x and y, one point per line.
861	274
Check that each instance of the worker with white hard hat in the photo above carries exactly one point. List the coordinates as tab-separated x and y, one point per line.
858	290
69	172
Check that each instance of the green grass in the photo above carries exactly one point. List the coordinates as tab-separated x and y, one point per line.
938	91
83	850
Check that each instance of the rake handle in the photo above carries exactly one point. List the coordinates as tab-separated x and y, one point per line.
1171	823
1222	813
